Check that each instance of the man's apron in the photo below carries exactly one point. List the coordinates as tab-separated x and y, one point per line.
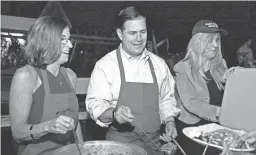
142	99
53	104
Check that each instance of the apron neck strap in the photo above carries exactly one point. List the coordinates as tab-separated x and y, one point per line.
121	67
120	63
45	81
152	70
64	73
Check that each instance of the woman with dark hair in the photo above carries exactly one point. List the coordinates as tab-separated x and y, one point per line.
43	102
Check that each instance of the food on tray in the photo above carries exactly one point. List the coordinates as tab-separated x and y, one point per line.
218	137
100	150
169	147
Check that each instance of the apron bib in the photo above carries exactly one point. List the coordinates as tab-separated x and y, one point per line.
142	99
54	105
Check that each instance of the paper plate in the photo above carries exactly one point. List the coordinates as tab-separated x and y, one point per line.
193	132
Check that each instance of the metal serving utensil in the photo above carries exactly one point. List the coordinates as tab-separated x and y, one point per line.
178	145
163	152
76	141
148	136
205	149
67	112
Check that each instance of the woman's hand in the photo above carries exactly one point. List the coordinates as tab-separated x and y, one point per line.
228	73
62	124
170	132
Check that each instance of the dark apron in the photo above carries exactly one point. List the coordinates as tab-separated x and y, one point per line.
142	99
53	103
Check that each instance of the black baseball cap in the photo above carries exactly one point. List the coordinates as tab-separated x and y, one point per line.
207	26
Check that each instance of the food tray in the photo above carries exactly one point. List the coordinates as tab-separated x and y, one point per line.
193	132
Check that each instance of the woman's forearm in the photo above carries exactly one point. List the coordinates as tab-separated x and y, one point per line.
27	132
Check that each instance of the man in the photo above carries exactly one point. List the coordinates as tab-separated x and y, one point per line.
245	55
131	88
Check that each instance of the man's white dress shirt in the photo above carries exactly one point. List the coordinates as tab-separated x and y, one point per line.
105	82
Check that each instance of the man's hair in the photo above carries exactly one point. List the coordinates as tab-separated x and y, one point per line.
44	41
129	13
196	48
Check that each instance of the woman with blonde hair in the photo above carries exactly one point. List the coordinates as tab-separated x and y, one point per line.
200	79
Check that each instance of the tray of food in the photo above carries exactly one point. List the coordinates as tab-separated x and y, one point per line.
103	147
215	135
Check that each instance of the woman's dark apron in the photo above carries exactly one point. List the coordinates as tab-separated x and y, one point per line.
142	99
53	103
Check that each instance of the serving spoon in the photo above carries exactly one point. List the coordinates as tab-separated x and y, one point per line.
76	141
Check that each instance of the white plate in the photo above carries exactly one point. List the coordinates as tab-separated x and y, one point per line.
192	132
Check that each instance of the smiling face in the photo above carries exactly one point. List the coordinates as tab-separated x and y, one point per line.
133	36
65	46
212	47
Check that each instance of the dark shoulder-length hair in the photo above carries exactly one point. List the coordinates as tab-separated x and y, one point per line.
44	41
129	13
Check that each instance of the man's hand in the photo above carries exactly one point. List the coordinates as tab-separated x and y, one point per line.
170	132
123	115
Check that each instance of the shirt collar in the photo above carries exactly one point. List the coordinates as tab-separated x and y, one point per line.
144	56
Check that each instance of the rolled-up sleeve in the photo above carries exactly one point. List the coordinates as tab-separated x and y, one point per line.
168	104
98	94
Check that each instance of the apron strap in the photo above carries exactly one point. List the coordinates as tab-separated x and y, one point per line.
45	81
64	73
121	66
152	70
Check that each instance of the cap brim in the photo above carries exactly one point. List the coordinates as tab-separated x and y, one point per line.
222	32
215	30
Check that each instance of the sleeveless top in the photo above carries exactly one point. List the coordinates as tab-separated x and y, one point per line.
54	95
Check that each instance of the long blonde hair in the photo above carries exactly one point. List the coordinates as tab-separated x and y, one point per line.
195	49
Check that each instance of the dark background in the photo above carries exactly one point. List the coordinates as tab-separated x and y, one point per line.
171	19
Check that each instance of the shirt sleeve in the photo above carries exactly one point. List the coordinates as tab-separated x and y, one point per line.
98	96
167	107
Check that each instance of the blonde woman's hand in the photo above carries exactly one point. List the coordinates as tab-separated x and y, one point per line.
60	125
170	132
229	72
